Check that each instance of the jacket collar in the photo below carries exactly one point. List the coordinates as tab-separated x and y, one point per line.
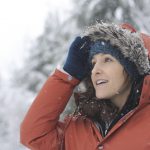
145	94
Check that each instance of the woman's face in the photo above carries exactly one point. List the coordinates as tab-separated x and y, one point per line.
108	77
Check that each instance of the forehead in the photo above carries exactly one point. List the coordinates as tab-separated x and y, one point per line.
101	55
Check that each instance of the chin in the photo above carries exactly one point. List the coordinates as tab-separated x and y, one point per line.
102	96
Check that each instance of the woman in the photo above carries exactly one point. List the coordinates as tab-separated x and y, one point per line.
114	111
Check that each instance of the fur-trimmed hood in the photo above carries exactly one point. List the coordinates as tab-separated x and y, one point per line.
129	43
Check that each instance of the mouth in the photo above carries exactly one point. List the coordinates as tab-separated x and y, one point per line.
101	82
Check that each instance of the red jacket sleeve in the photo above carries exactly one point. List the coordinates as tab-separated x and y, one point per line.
40	127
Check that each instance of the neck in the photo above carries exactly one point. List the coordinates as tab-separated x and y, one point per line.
120	99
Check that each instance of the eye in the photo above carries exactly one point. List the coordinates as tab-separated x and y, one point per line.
107	59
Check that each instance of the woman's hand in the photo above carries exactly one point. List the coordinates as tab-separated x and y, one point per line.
77	60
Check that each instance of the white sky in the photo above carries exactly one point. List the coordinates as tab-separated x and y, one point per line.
20	21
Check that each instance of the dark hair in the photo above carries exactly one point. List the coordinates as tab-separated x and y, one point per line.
90	106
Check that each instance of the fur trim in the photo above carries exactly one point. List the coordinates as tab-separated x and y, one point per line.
129	43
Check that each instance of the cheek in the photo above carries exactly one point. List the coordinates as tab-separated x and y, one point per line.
118	80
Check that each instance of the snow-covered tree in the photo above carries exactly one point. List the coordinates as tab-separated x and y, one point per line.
141	14
46	52
87	12
14	101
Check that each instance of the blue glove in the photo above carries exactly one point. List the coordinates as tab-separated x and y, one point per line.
77	60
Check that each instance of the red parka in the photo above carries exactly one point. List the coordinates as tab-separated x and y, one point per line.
42	130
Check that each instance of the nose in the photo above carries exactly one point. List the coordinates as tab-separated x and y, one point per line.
97	69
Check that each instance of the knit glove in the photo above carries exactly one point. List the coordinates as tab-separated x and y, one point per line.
77	60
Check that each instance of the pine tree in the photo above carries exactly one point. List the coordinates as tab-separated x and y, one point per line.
141	14
45	54
87	12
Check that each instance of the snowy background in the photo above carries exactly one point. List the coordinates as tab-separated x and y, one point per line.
35	36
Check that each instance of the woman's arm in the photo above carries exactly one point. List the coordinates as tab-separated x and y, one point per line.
40	127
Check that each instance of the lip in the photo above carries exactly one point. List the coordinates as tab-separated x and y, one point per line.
100	84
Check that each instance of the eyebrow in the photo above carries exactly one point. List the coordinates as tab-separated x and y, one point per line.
102	55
